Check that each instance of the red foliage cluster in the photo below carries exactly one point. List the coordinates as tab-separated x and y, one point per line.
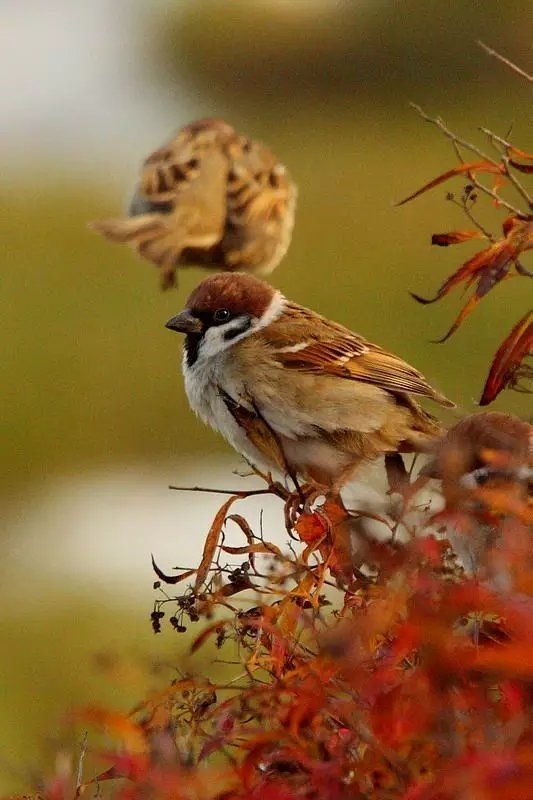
494	263
381	671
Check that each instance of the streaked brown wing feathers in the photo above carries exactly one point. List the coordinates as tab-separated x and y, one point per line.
331	349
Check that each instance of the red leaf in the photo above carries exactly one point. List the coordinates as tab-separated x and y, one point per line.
487	268
526	168
211	542
171	578
455	237
509	356
460	169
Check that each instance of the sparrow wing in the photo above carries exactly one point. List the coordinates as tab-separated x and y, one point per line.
178	212
313	344
261	199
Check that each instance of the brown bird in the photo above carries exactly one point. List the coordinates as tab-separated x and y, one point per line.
292	390
209	196
485	463
483	449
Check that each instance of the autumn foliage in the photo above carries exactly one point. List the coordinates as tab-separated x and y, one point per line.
366	668
503	256
385	670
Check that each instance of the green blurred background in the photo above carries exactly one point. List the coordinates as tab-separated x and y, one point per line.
94	419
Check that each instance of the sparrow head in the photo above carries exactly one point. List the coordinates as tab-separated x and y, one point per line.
222	310
215	124
490	449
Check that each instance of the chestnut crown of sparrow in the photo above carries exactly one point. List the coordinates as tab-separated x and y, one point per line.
209	196
292	390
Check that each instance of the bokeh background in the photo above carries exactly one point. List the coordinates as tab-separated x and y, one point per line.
93	415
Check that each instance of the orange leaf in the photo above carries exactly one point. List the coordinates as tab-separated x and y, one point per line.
310	528
455	237
211	542
460	169
464	312
509	356
487	268
119	725
521	153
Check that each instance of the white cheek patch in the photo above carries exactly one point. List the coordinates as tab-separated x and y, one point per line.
218	338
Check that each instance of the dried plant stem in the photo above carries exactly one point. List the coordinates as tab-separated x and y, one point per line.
512	66
462	204
439	123
497	199
506	147
522	191
459	142
236	492
79	774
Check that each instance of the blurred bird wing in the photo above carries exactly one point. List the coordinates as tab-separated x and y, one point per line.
261	199
182	200
316	345
192	168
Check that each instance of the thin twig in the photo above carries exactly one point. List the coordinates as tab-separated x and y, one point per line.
464	207
79	774
494	137
499	200
522	191
236	492
512	66
507	146
439	123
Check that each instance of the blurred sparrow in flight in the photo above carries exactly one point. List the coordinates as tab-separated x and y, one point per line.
209	196
292	390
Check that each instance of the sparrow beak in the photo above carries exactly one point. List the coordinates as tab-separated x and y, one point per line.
184	322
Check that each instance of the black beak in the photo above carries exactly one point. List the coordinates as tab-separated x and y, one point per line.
184	322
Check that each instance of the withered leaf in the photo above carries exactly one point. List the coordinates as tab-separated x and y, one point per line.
461	169
525	168
455	237
211	542
171	578
487	268
507	362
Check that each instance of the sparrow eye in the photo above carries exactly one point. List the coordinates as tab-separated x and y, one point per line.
221	315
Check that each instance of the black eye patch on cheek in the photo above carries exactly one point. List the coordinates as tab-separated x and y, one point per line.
232	333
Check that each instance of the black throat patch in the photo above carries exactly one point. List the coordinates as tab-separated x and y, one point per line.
192	347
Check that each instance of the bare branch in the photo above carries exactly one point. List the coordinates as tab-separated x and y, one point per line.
463	205
439	123
522	191
505	203
512	66
506	146
237	492
79	773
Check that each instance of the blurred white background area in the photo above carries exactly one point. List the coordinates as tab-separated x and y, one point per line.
78	86
102	528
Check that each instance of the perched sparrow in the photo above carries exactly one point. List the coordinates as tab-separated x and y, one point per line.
292	390
486	449
485	463
209	196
